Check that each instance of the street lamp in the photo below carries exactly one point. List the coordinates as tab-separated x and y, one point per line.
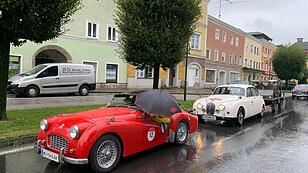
186	65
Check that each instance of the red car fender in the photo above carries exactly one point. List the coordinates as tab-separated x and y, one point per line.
125	131
192	121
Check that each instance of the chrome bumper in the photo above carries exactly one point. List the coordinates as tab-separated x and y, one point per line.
62	158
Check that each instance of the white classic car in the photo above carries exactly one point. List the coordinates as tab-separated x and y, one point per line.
230	102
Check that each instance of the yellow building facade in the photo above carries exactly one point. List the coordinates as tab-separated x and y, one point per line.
252	59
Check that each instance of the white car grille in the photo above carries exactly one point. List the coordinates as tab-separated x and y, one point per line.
58	142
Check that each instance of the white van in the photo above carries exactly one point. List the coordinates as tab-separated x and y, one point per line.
54	79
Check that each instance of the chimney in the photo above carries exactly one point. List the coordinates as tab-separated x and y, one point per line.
299	40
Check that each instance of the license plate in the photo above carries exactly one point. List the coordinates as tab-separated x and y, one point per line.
209	117
49	155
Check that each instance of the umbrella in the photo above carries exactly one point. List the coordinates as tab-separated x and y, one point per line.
157	102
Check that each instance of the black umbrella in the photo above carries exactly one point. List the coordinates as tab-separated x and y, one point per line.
157	102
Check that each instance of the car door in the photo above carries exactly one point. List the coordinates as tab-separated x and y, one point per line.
258	101
152	132
249	102
49	80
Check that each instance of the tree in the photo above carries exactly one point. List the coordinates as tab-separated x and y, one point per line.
155	33
33	20
289	62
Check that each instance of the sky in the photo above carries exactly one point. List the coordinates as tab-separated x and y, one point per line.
282	20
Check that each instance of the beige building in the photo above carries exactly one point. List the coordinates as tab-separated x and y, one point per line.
252	58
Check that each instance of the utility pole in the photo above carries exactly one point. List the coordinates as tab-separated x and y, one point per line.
186	65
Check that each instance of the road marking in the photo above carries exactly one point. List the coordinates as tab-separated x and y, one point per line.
17	150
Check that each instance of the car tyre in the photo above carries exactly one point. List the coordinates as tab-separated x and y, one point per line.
239	120
262	112
84	90
105	154
181	133
32	91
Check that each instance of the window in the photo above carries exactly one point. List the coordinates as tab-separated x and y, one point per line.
251	48
237	41
229	91
254	64
208	53
250	65
92	28
112	73
231	59
255	52
217	34
195	41
216	55
249	93
246	65
49	72
232	40
241	60
147	72
224	37
254	92
223	57
236	59
112	34
234	76
210	76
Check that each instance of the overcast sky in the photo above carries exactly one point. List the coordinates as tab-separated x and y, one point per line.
282	20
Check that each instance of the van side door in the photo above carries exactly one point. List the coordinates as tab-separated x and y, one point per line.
49	80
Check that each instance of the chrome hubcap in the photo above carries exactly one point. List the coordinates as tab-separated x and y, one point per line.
32	91
84	91
182	132
107	154
240	117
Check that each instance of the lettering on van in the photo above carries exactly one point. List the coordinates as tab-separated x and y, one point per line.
70	70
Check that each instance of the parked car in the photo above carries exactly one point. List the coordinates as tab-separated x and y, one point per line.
54	79
271	91
300	91
288	86
233	102
102	136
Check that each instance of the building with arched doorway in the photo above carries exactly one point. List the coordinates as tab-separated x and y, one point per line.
90	38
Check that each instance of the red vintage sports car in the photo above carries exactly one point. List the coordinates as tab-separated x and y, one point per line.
102	136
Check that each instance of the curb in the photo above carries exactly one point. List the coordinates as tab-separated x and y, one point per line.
116	92
18	140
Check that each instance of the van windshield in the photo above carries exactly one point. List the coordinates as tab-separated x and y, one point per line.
35	70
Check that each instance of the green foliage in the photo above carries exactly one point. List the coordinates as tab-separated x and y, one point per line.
155	31
289	62
35	20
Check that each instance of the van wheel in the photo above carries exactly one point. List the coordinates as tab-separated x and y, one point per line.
84	90
32	91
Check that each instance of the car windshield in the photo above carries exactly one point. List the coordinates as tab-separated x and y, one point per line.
122	100
34	70
229	91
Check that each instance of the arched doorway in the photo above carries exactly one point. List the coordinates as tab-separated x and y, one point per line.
51	54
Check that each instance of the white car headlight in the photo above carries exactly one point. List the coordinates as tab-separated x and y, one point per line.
44	125
199	106
221	107
74	132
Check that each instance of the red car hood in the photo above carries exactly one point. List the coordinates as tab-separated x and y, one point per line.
87	118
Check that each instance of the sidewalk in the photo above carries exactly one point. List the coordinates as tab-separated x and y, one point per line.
190	91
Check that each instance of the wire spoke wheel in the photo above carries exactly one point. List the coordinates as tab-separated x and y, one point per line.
107	154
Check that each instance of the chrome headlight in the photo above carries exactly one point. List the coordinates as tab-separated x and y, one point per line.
74	132
221	107
44	125
199	106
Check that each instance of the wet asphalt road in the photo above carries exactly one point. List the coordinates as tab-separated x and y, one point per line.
277	143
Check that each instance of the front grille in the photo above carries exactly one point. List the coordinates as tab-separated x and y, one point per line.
58	142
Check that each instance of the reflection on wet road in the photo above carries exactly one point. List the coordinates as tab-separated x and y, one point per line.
276	143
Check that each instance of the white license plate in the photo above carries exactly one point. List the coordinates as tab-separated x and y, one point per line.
209	118
49	155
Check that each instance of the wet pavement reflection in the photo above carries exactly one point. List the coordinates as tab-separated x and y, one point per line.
276	143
